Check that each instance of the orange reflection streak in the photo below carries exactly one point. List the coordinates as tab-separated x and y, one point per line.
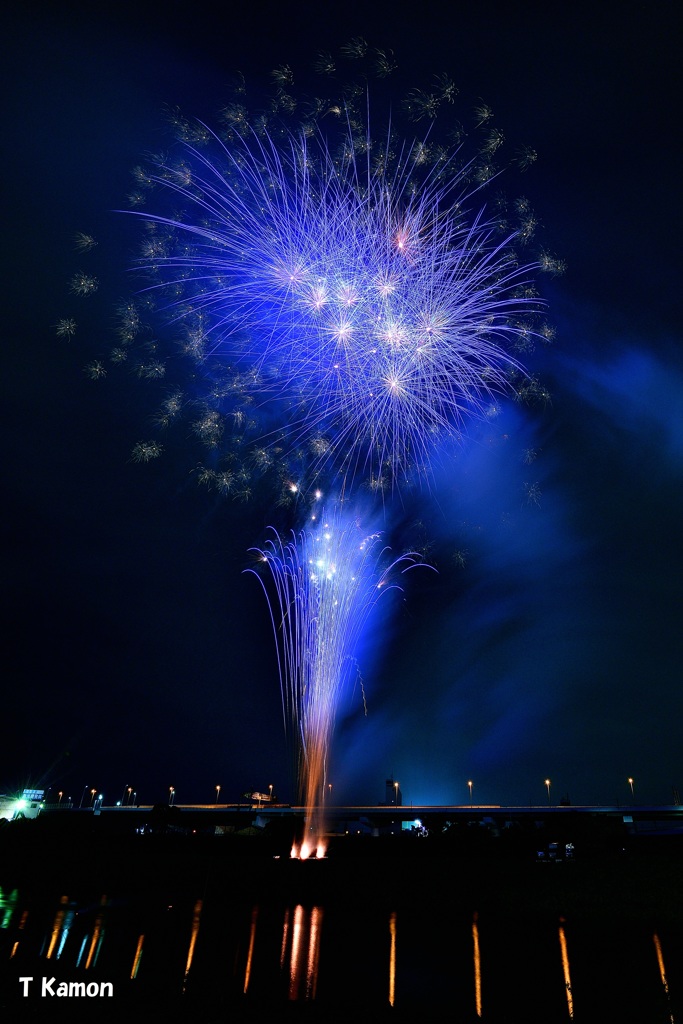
392	958
477	963
285	937
196	914
22	925
662	972
56	928
314	952
137	958
97	937
304	953
565	968
97	934
295	953
250	952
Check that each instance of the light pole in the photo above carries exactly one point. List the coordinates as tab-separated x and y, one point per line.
218	790
396	794
469	786
270	792
93	793
60	794
171	795
547	786
130	790
630	782
85	790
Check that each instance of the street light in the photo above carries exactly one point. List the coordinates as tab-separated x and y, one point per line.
218	789
270	792
92	797
171	795
469	784
630	782
130	790
396	794
85	790
547	786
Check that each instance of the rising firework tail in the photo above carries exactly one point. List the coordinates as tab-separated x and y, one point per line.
321	587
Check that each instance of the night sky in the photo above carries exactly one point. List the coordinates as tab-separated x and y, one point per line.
549	643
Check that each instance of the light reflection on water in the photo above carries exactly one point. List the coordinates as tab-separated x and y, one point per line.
304	953
57	927
477	964
97	938
196	915
392	958
298	950
8	904
662	972
314	951
565	969
137	958
250	953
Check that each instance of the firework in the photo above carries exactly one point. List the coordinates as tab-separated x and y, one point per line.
321	587
362	291
346	302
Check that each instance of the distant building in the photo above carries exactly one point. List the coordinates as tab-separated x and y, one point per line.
392	793
28	805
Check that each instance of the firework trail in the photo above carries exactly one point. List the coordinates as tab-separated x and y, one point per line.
322	587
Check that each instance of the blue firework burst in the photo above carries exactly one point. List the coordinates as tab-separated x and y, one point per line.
366	297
